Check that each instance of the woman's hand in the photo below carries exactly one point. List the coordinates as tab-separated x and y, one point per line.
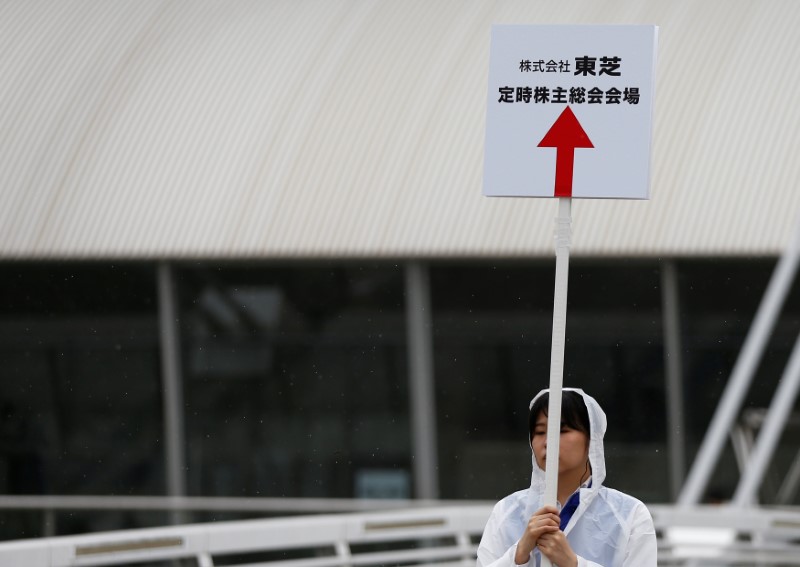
556	548
545	521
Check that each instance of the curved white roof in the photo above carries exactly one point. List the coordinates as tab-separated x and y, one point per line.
350	128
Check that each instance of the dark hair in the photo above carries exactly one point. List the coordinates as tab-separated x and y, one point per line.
573	412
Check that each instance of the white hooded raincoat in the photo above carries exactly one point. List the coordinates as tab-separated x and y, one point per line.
608	529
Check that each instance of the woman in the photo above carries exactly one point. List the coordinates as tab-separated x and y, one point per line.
596	526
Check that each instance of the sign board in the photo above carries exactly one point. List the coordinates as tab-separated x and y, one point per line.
569	111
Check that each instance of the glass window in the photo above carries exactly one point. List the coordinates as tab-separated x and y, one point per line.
295	380
719	300
493	330
295	377
80	404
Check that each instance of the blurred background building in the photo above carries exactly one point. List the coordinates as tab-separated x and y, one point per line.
244	252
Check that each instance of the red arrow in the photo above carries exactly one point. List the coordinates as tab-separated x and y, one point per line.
565	135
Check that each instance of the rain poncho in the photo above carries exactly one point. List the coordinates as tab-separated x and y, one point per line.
609	528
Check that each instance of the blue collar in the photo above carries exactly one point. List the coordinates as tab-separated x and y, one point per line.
569	508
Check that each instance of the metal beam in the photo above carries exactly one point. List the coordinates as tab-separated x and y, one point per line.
421	384
774	423
742	375
788	489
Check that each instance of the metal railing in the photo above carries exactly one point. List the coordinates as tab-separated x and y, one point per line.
446	536
411	536
727	536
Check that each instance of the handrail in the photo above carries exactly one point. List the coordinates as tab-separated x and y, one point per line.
416	536
448	535
216	503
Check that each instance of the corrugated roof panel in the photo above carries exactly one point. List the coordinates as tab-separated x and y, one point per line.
244	128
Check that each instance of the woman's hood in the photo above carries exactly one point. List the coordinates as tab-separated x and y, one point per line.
597	424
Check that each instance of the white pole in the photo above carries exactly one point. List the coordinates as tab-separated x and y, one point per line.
563	237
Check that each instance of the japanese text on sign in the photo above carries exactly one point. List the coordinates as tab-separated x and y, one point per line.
584	66
573	95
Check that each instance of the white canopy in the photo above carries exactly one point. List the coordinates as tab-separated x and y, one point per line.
355	128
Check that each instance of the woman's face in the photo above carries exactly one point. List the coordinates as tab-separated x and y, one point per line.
573	450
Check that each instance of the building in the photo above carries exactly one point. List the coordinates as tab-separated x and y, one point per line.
244	251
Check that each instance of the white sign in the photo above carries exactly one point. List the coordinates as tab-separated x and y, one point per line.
569	111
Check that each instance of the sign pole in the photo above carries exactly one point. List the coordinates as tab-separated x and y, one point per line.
563	237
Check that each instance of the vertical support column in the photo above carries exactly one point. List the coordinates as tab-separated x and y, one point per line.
742	374
171	376
419	323
673	363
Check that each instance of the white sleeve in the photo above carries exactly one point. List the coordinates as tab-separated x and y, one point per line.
582	562
505	560
492	551
642	548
